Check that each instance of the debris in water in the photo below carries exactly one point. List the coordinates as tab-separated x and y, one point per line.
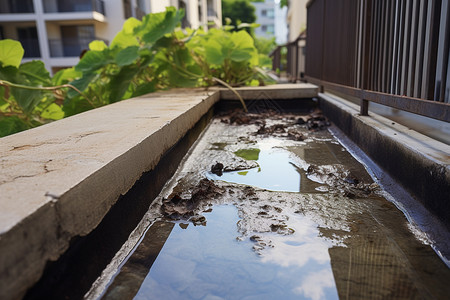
176	207
217	169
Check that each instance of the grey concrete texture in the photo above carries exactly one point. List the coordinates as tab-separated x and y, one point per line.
420	164
276	92
58	181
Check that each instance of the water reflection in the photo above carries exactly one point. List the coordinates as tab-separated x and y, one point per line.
208	262
277	171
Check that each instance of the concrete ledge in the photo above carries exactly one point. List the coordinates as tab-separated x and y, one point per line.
59	180
279	92
419	163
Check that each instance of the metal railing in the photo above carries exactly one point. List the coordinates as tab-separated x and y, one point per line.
70	47
290	58
52	6
394	53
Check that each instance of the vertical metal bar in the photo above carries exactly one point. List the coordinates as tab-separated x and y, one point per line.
427	51
395	47
412	48
359	21
401	44
384	46
443	51
406	46
420	46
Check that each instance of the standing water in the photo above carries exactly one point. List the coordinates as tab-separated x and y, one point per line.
274	208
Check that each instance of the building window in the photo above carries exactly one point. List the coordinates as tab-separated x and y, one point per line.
270	13
264	12
264	28
270	28
28	37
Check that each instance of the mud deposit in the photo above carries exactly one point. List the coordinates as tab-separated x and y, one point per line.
273	207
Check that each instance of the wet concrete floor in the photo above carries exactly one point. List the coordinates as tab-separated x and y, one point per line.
271	210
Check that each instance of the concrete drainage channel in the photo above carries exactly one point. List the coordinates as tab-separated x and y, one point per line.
69	176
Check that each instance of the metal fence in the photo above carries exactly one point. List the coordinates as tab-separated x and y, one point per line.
290	58
395	53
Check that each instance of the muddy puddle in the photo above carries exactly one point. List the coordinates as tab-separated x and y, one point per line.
273	207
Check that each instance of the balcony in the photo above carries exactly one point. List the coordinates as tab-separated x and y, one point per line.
58	6
69	47
16	6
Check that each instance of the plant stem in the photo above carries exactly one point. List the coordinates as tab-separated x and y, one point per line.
45	88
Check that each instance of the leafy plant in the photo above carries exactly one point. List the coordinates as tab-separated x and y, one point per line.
145	56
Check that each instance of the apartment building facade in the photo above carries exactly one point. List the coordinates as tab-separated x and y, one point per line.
57	31
272	20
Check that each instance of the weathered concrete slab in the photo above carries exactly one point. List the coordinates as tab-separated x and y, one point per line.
419	163
59	180
279	92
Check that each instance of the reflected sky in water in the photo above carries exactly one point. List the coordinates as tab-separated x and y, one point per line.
275	173
208	262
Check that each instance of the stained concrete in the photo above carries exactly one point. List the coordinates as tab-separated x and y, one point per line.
59	180
419	163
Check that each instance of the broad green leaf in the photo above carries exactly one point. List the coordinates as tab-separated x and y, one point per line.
53	112
127	56
36	73
97	45
120	82
242	39
213	52
155	26
126	36
248	154
65	75
27	99
75	106
240	55
93	60
11	53
81	84
10	125
145	88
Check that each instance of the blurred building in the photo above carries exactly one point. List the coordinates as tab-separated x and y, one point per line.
272	20
57	31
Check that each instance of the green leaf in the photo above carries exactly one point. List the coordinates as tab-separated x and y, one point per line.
155	26
248	154
120	82
97	45
10	125
11	53
213	52
127	56
93	60
240	55
65	75
76	105
242	39
81	84
126	36
27	99
36	73
145	88
53	112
